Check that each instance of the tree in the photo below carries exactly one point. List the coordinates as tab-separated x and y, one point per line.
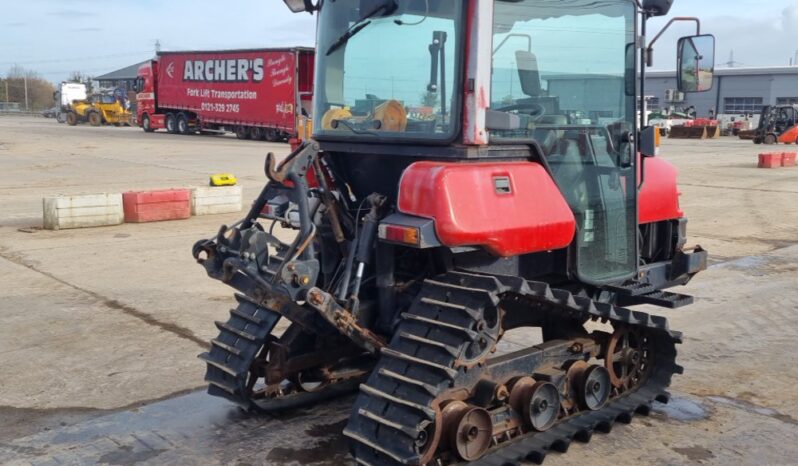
429	99
39	90
80	77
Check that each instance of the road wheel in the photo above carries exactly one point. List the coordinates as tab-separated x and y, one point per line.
95	119
182	124
171	123
770	139
146	125
61	117
242	132
72	118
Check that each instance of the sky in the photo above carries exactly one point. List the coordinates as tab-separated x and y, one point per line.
56	37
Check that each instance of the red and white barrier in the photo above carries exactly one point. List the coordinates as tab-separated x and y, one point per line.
156	206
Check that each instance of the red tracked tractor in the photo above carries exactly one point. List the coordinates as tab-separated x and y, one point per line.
478	172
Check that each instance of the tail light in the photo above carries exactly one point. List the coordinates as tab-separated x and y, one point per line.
399	234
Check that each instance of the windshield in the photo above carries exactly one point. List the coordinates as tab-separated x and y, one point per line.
387	69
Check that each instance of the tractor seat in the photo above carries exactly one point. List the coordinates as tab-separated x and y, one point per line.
550	137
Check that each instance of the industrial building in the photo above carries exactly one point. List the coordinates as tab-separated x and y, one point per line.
735	91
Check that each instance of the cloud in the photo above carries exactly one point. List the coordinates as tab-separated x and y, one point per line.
70	14
766	37
87	29
789	18
17	24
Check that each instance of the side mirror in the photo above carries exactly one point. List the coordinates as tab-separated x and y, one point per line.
657	7
298	6
696	59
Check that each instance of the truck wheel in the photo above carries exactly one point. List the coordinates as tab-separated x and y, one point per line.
271	135
242	132
770	139
95	119
146	125
257	133
171	123
72	118
182	124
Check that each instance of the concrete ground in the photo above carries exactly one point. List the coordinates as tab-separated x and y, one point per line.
99	328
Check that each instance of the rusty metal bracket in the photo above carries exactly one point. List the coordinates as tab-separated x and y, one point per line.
344	321
297	162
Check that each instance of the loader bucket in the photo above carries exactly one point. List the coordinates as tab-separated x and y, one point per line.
685	132
713	132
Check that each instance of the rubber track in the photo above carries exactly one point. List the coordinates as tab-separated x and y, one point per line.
232	353
398	397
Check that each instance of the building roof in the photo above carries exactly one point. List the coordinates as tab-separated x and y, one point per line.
128	72
747	71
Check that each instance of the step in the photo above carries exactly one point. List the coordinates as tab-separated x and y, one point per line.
664	299
632	288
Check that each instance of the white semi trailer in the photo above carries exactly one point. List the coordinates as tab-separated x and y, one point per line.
65	95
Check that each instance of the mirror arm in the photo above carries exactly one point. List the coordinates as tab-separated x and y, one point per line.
650	48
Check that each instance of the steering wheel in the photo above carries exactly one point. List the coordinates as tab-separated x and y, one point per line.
539	110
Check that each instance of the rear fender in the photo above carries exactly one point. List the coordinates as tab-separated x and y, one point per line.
658	199
508	208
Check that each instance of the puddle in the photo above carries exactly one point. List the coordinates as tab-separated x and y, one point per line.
681	409
760	266
191	429
753	408
695	453
743	263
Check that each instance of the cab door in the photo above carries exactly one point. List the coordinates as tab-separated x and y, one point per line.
565	68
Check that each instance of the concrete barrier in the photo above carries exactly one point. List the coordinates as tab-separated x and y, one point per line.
770	160
209	200
157	206
788	159
82	211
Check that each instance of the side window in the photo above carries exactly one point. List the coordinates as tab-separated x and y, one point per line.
542	73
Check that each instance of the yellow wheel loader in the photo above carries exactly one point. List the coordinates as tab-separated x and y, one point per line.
98	110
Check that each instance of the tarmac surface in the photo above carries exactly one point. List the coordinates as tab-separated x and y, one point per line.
100	328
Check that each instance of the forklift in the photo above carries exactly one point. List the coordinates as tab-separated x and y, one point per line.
778	123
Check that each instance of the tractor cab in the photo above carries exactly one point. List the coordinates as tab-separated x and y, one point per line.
558	79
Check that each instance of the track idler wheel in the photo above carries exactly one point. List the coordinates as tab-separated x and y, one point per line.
594	388
472	434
